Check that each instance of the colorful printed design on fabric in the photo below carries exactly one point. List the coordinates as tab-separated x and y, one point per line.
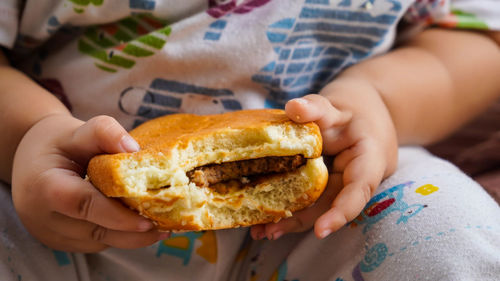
66	30
62	258
118	45
208	248
143	5
280	273
377	254
221	9
53	25
386	202
422	10
314	47
372	259
164	97
182	246
426	189
80	5
461	19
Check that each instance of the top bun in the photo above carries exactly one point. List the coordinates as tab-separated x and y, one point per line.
154	180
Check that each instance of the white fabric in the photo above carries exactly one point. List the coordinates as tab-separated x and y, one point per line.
236	54
139	59
8	22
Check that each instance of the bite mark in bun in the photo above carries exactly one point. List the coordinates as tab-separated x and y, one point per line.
216	171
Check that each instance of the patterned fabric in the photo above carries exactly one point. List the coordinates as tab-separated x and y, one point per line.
467	14
143	59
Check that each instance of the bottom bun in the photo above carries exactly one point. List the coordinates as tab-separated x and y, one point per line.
274	197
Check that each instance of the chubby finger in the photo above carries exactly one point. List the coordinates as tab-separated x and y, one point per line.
361	177
86	231
74	197
101	134
318	109
58	241
258	232
296	223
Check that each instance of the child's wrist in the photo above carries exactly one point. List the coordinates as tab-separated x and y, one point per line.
353	94
57	120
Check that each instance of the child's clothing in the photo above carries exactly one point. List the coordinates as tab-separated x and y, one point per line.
428	221
139	59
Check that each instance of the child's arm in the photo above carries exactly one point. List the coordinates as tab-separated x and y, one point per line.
22	104
437	82
48	150
416	94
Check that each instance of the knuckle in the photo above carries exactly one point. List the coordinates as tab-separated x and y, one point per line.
107	129
346	218
54	193
367	190
105	119
103	125
98	233
44	184
85	205
298	223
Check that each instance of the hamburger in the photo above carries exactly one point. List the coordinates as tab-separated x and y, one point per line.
201	172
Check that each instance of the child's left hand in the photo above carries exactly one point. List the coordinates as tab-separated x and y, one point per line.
358	130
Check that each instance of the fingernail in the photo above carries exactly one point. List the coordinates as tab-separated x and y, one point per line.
277	235
325	233
260	236
129	144
301	100
164	235
145	225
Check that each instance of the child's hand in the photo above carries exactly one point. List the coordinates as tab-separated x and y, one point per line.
363	139
56	204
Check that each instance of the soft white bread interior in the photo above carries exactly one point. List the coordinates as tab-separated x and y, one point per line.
154	180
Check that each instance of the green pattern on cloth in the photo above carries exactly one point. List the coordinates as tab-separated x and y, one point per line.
81	4
468	20
119	45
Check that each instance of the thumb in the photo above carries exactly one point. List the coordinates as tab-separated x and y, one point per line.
101	134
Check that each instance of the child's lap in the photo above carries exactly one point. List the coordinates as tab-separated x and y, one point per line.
427	220
22	257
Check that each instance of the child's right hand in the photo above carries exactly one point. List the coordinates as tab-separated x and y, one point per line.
56	204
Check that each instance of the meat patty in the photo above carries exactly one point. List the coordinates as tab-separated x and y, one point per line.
214	173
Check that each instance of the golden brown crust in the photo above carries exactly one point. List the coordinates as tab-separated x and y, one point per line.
161	134
168	136
103	173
